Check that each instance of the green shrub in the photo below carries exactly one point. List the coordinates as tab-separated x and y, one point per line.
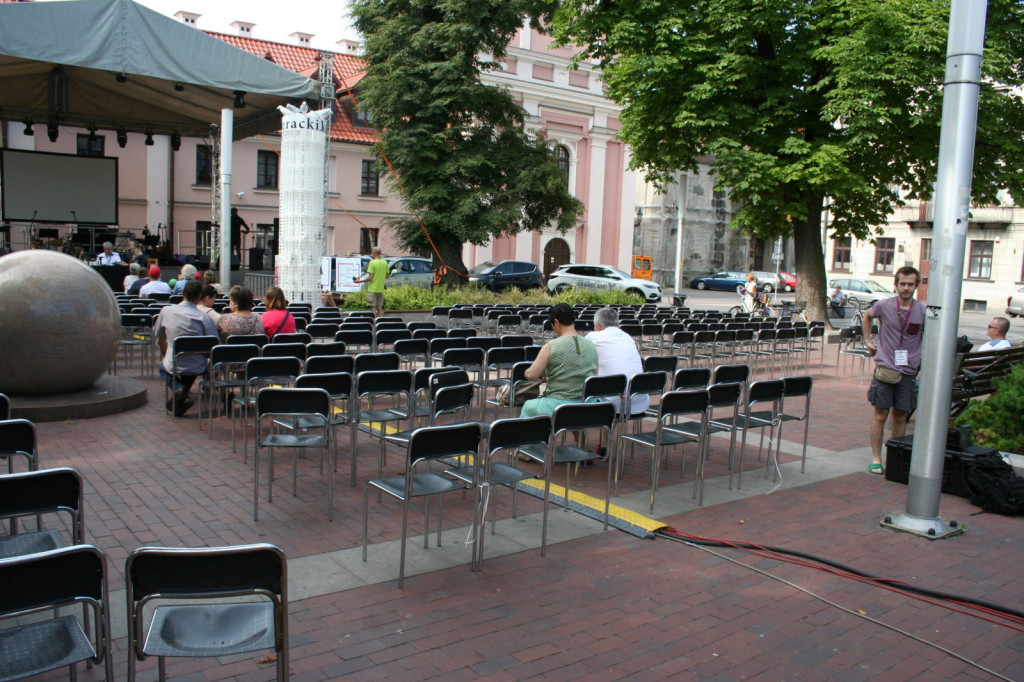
996	421
415	298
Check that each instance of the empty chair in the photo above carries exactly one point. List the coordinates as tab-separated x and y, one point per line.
682	345
723	413
416	326
328	348
572	417
412	350
851	345
18	439
690	378
429	333
313	407
356	340
425	445
330	364
484	342
384	339
320	331
259	339
516	380
203	625
5	407
793	389
504	435
42	582
260	372
227	373
285	350
33	493
513	340
375	362
292	337
392	385
661	363
461	333
460	317
766	395
732	374
137	335
439	346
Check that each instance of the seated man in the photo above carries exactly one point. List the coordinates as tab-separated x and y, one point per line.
567	360
837	301
108	256
154	285
996	332
617	354
183	319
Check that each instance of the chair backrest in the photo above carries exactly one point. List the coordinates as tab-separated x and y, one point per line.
281	350
376	362
484	342
330	364
17	436
355	337
421	377
438	346
272	368
411	347
429	333
293	401
435	442
690	378
513	340
725	374
337	384
233	354
532	351
385	382
57	577
609	386
676	403
723	395
794	387
449	377
502	356
136	321
292	337
519	371
461	333
416	326
258	339
582	416
452	398
44	491
463	357
384	337
329	348
661	363
5	407
647	383
683	338
356	325
519	432
198	345
766	390
321	330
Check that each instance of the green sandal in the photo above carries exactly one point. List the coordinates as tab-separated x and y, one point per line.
876	469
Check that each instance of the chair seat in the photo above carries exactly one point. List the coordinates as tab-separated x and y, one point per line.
427	483
379	416
289	440
210	629
38	647
667	438
693	428
30	543
501	474
568	454
741	422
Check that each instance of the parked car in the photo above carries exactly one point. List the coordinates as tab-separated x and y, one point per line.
416	272
769	281
1015	303
724	280
602	277
497	276
861	293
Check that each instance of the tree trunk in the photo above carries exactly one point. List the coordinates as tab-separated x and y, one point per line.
452	269
811	286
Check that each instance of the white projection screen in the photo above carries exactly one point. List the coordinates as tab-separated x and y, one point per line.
58	188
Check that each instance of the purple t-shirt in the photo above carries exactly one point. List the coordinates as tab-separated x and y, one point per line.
899	330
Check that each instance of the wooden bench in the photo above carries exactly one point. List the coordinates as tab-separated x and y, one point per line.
976	370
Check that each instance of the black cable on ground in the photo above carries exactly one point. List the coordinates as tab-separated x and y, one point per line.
673	534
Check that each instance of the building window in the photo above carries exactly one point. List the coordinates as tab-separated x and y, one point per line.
369	184
562	157
266	169
980	266
204	165
368	239
885	254
841	250
90	145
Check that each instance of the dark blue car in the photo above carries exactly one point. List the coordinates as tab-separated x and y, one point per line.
724	280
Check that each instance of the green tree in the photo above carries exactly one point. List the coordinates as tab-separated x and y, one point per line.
466	164
803	105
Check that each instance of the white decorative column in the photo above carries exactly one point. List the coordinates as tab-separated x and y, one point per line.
595	198
302	197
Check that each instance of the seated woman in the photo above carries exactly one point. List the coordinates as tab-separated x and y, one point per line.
277	319
210	277
241	319
566	360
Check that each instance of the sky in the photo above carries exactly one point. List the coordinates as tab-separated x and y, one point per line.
327	20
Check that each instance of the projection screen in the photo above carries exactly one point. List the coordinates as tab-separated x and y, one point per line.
58	188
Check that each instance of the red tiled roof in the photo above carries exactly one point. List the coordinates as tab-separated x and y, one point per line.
348	72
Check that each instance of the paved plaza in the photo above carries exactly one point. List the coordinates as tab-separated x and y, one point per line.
601	605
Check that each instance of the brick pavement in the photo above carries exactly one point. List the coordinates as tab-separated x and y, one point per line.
604	606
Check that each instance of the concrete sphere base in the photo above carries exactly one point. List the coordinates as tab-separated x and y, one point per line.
108	395
59	324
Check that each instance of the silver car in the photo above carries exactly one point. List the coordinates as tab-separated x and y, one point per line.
602	277
415	272
1015	303
862	293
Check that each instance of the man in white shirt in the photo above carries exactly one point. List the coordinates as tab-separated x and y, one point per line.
997	330
155	286
108	257
617	354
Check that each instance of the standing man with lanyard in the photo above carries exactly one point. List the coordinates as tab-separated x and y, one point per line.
376	275
897	352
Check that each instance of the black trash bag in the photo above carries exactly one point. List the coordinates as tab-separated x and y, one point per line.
992	485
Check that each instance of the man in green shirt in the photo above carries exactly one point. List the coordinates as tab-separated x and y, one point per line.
376	274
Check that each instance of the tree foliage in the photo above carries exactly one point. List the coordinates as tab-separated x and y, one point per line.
801	101
466	164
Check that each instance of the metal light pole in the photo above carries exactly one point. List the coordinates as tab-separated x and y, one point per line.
227	132
952	205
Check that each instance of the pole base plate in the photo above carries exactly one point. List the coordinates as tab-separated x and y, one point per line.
930	529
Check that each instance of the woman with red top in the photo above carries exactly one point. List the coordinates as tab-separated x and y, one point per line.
277	320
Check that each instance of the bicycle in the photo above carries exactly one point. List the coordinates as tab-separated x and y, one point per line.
762	309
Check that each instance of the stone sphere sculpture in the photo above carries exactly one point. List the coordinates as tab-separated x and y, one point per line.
59	324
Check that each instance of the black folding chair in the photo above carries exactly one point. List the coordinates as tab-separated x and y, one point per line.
227	370
394	385
33	493
203	625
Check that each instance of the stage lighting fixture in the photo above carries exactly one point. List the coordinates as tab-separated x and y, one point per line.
121	78
175	141
28	128
239	99
178	87
149	139
122	138
52	131
92	134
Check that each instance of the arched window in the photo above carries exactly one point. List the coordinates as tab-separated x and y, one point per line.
562	156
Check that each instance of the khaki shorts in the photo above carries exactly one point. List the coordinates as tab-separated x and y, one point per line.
374	300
